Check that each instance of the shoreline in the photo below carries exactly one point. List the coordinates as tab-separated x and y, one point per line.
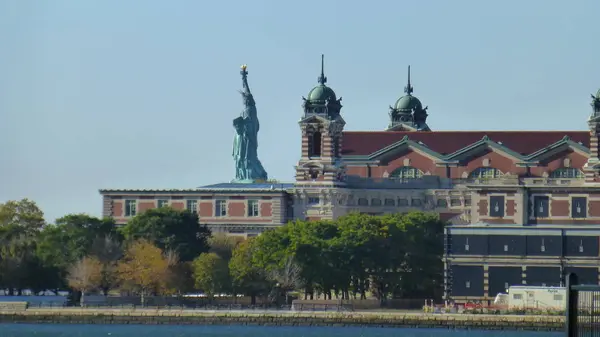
349	319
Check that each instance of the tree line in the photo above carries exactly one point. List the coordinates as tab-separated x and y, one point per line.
166	252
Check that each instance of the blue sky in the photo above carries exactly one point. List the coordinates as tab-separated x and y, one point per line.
142	93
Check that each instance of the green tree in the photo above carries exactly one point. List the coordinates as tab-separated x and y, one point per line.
223	244
23	216
20	224
211	274
170	229
69	239
246	277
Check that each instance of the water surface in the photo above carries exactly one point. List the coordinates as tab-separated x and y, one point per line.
113	330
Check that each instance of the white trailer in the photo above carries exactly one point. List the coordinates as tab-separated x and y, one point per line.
530	297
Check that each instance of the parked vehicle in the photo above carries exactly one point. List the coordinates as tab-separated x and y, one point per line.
531	297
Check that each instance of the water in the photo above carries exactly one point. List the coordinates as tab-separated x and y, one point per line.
75	330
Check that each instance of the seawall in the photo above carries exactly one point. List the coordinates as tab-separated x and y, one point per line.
374	319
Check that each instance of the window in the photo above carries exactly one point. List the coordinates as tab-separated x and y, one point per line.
252	207
541	205
517	296
313	200
567	173
497	206
315	149
455	202
402	202
363	202
578	207
467	202
192	205
442	203
375	202
162	203
406	173
485	173
220	207
558	297
130	207
415	202
389	202
543	247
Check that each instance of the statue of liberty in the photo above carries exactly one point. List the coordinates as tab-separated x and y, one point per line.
245	143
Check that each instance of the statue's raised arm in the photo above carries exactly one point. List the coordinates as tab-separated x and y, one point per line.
245	144
245	86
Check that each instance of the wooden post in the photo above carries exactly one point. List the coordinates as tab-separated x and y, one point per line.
572	304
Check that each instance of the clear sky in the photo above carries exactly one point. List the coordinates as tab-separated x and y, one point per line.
142	93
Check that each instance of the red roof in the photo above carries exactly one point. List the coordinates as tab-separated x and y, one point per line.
359	143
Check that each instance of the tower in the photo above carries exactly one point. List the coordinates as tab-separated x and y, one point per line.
592	167
322	127
408	113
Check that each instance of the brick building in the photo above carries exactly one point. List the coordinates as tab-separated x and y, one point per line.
523	207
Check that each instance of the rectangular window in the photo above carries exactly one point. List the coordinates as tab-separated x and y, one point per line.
130	207
497	205
313	200
162	203
517	296
220	207
578	207
467	202
390	202
455	202
252	207
363	202
442	203
541	205
192	205
416	202
402	202
558	297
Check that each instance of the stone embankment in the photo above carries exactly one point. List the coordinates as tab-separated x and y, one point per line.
374	319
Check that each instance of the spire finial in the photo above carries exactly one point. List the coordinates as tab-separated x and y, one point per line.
322	79
408	89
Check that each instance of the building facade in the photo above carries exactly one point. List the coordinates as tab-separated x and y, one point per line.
523	207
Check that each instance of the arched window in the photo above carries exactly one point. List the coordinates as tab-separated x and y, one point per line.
485	173
315	146
406	173
567	172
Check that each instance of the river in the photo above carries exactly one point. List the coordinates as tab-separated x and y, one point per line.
75	330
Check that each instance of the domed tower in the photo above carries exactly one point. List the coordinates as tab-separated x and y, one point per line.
322	126
408	113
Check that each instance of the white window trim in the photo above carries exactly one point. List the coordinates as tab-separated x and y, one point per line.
489	200
225	203
532	205
587	208
135	202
